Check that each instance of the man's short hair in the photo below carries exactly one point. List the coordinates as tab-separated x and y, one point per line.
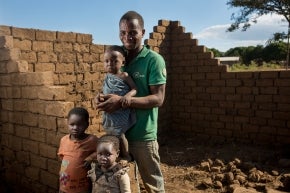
133	15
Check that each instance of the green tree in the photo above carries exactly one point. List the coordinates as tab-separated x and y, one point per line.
276	51
215	52
251	10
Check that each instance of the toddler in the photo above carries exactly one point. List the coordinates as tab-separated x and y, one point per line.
120	83
106	174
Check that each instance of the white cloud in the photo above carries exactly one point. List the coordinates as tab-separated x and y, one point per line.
217	37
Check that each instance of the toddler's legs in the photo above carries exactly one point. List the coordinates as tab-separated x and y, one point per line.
124	148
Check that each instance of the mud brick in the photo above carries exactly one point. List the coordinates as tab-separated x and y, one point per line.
81	48
23	33
98	49
29	56
37	134
53	166
28	92
270	74
5	30
66	78
84	38
52	138
47	151
32	173
9	54
22	131
159	29
65	67
19	79
42	67
58	109
6	41
52	93
282	82
25	45
15	143
66	37
31	146
7	128
30	119
213	76
47	122
17	66
7	105
8	154
163	22
156	36
284	74
233	82
63	47
38	161
46	57
281	115
67	57
15	117
49	179
42	46
13	92
44	35
265	82
23	157
264	98
39	78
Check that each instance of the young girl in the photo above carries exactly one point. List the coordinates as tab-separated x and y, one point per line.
120	83
74	151
107	175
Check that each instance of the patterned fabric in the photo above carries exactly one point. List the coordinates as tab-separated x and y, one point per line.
121	120
115	180
73	176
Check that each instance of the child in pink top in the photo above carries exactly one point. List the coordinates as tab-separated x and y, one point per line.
75	152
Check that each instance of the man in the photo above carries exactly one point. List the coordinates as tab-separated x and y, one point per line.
147	68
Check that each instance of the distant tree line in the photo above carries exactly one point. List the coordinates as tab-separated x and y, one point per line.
273	52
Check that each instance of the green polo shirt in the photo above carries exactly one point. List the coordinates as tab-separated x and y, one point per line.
147	69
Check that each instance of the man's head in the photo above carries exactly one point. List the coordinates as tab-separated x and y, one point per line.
131	27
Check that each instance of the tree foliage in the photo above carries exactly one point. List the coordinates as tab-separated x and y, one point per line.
273	52
215	52
276	51
251	10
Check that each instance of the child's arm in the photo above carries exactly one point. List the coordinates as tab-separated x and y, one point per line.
126	99
89	159
124	182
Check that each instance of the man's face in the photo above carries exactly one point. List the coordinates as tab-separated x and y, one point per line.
131	34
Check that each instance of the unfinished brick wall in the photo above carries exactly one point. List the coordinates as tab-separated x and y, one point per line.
45	73
215	104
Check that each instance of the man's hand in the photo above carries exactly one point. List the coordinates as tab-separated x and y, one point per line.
111	103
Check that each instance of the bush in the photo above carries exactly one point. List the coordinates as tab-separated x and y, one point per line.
253	66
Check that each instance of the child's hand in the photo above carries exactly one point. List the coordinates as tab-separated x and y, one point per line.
87	164
125	101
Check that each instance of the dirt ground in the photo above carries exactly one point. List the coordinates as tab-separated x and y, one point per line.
192	165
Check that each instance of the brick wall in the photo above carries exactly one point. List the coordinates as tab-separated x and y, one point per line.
45	73
213	104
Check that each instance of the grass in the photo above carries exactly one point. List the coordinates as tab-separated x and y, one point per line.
255	67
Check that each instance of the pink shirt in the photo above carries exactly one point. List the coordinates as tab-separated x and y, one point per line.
73	176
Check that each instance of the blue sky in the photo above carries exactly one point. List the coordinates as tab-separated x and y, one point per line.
207	20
